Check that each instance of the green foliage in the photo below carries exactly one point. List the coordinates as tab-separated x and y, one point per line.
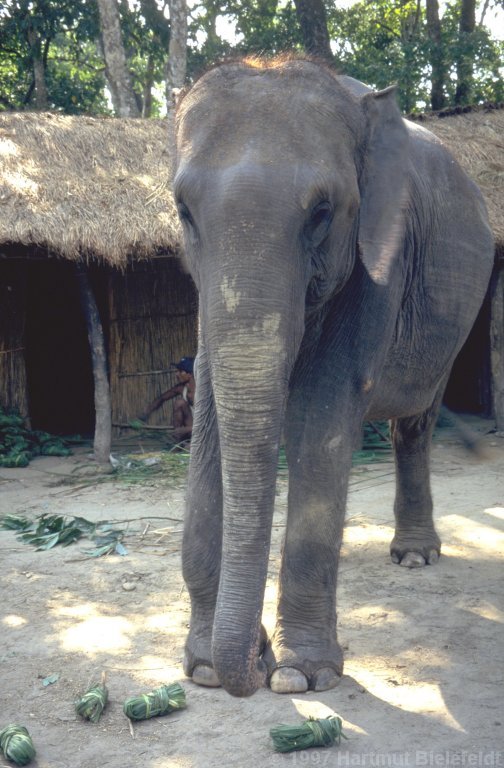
267	26
376	445
376	41
75	76
48	531
382	42
146	36
15	65
162	701
51	530
323	732
204	44
61	34
18	445
91	705
485	53
166	467
16	744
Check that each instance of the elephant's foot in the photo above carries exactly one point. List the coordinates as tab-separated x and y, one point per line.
204	674
200	672
198	654
291	680
296	668
415	551
197	662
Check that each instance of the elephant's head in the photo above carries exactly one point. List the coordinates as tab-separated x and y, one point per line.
283	180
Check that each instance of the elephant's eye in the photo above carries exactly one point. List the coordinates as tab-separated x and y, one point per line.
185	214
318	224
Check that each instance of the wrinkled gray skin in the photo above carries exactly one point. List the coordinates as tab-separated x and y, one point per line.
341	256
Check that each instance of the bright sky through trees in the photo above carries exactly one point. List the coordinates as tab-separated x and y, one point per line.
52	53
226	26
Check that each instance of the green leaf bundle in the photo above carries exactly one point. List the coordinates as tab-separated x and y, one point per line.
18	444
10	419
15	523
47	531
16	744
91	705
312	733
161	701
52	530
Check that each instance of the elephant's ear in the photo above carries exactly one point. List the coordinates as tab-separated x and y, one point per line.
382	184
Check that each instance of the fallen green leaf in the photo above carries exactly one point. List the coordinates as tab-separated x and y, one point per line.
15	523
50	679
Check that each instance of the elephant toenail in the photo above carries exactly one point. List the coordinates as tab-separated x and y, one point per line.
288	680
204	675
324	679
413	560
433	557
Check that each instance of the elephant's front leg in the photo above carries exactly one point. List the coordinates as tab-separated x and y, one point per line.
202	542
304	652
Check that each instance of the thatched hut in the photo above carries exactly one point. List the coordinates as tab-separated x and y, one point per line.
475	137
74	192
79	190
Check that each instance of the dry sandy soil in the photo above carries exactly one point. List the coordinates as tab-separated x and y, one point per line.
424	673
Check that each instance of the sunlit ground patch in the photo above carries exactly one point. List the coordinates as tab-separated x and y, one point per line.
13	621
88	631
497	512
478	539
415	696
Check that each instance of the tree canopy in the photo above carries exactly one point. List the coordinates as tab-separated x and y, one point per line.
53	53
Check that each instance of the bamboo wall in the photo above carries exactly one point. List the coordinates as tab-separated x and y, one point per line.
150	318
13	385
153	322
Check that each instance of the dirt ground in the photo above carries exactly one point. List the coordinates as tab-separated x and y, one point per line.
424	671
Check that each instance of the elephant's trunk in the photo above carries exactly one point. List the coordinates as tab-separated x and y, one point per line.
251	354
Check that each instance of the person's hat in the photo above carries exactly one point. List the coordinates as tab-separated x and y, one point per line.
184	364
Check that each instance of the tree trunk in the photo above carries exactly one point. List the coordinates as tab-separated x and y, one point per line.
465	59
313	22
40	87
118	77
103	410
436	55
177	51
147	90
213	10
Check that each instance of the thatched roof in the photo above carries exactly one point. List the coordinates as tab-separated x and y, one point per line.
476	139
83	186
101	187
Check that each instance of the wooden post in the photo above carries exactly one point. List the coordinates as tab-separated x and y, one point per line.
497	343
103	410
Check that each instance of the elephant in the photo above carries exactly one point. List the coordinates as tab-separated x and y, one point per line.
341	256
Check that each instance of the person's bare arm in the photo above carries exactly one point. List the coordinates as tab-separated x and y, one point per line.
163	397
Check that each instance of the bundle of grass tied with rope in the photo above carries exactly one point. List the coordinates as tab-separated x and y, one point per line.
16	744
323	732
161	701
91	705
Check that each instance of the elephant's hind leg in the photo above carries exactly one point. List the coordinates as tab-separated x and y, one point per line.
416	542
